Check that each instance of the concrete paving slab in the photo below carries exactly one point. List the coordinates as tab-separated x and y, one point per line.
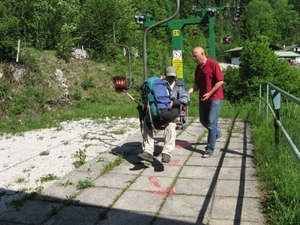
230	208
116	180
129	168
238	162
192	186
121	217
237	188
71	215
74	177
197	160
59	190
175	220
99	196
152	184
230	222
186	205
162	170
199	172
237	173
27	213
237	153
139	201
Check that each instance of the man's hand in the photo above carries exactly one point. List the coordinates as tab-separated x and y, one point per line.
205	97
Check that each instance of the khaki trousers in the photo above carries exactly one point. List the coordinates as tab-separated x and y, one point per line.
169	139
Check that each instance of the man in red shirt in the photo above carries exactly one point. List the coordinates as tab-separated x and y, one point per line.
208	80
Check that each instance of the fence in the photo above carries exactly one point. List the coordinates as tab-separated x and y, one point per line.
276	98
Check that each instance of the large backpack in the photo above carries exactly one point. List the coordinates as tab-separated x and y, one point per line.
156	94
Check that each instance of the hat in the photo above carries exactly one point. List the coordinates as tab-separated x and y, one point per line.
170	71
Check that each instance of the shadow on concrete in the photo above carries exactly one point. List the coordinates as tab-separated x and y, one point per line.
239	205
47	210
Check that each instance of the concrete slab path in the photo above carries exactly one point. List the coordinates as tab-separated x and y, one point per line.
117	188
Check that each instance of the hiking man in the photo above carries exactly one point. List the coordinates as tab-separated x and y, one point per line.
209	81
179	97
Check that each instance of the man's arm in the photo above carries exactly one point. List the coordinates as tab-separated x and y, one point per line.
213	90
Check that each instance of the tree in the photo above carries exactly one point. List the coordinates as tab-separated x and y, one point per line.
258	63
259	18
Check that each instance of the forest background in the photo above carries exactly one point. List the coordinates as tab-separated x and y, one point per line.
48	28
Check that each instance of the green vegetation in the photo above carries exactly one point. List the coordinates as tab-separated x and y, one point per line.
109	166
84	184
48	177
277	167
80	156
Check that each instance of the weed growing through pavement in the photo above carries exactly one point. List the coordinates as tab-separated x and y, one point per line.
44	153
109	166
67	183
85	137
66	142
59	128
47	178
54	210
101	159
20	180
40	138
72	197
85	184
119	132
80	156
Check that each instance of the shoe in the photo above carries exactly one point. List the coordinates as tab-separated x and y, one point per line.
165	158
145	156
207	154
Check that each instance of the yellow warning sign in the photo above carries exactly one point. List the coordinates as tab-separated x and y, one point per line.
177	63
176	33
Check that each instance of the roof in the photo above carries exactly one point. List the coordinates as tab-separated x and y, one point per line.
237	49
286	54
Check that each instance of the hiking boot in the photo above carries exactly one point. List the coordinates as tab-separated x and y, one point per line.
165	158
145	156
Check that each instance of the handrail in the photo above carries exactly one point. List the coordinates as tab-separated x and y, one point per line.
149	28
288	96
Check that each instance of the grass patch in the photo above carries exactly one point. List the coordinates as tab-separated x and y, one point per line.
47	178
85	184
109	166
80	156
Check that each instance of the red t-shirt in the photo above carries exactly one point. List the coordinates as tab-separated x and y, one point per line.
206	77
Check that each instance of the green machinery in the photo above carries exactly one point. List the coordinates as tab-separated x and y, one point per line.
205	14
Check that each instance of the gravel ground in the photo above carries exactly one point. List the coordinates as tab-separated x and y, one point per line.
30	156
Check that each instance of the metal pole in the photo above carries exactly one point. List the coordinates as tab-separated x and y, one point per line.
129	57
149	28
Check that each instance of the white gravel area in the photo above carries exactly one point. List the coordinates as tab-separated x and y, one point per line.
28	157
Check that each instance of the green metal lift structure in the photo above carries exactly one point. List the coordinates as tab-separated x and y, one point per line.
205	14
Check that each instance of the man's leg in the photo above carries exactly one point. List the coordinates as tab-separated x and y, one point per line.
169	141
148	143
204	108
213	126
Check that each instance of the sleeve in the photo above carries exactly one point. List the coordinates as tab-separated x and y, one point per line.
218	73
183	96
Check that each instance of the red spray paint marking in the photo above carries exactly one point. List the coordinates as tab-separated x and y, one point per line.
163	192
183	144
174	161
154	181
